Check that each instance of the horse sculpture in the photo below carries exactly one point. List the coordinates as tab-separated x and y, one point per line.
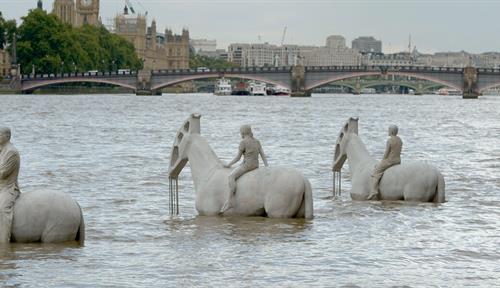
409	181
273	192
47	217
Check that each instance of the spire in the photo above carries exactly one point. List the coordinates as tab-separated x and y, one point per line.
125	10
39	5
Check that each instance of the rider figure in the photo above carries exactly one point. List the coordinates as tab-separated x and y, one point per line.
392	156
9	189
250	148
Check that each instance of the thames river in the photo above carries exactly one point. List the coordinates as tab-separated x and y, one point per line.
111	153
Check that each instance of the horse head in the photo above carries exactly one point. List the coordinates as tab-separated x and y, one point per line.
351	126
178	154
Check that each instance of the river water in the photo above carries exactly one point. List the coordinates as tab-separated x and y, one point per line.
111	153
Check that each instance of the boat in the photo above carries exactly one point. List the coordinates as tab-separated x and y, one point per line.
240	88
448	91
257	88
281	91
223	87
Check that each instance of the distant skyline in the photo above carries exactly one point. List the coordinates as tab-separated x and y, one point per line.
435	26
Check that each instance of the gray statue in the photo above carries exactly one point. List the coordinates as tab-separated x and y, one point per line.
43	216
9	188
392	156
250	149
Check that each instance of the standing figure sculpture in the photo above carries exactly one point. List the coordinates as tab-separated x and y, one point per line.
409	181
392	156
250	149
276	192
9	188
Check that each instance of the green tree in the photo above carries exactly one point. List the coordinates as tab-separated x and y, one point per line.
7	30
54	47
211	63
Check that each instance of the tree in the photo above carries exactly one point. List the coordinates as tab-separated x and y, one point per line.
211	63
55	47
7	30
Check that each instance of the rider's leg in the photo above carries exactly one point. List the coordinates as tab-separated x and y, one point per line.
235	174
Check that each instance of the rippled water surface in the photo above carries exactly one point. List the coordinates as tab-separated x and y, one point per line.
110	152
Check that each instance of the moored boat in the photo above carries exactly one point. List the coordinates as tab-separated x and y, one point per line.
223	87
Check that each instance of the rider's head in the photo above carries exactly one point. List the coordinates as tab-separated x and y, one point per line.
246	130
393	130
4	135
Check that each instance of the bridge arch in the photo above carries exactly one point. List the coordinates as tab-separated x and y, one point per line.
481	90
216	75
28	86
376	73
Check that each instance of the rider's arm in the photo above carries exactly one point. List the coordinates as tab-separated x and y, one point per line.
264	158
387	149
238	157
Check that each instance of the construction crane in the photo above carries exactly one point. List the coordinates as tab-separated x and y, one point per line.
129	5
283	36
282	48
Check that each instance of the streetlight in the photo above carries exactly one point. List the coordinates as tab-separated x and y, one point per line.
62	67
74	68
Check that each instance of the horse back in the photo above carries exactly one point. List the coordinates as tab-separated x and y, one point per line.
46	217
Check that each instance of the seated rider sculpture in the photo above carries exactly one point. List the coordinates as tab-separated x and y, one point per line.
250	148
9	188
392	156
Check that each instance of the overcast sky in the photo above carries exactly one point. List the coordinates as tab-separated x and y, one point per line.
438	25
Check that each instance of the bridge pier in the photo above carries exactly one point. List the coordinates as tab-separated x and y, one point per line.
470	83
299	82
470	95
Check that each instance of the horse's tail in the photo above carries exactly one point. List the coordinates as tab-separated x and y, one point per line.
439	196
308	200
80	235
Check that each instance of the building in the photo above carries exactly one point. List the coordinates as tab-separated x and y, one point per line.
335	41
204	46
83	12
259	55
157	50
326	56
4	63
367	44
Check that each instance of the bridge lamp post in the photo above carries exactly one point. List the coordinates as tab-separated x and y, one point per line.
103	67
113	65
74	67
62	67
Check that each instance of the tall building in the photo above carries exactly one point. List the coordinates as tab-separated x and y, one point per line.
157	50
65	10
87	12
77	14
367	44
335	41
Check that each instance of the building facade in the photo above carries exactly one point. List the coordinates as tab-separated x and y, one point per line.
157	50
83	12
335	41
203	46
4	63
367	44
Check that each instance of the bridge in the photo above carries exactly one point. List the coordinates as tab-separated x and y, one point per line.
299	79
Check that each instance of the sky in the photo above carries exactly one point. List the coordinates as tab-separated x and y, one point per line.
439	25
